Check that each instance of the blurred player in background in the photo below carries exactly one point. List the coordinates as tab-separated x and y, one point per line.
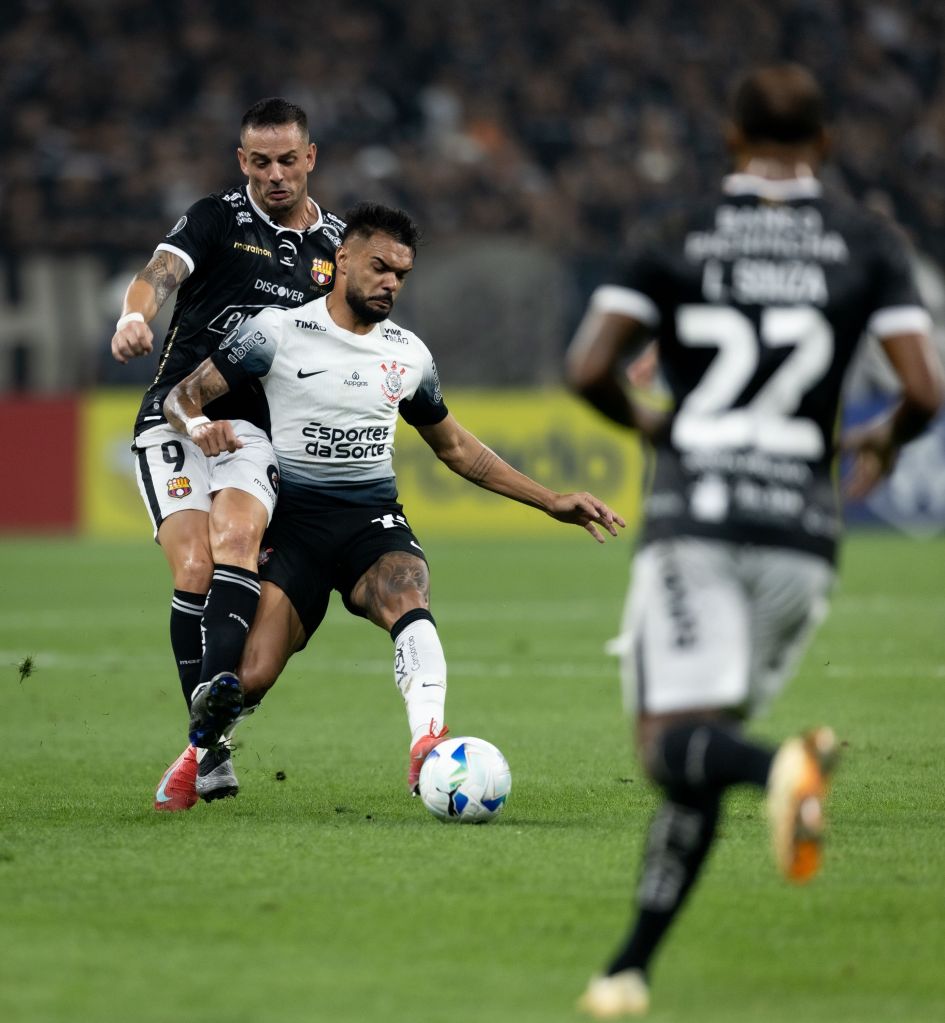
230	255
338	374
758	297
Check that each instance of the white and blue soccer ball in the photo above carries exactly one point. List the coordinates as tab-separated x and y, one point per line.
466	780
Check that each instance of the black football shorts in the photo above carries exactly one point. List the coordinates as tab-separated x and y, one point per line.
317	543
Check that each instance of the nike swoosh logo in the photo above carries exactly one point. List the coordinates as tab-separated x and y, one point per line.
161	796
427	685
314	373
413	543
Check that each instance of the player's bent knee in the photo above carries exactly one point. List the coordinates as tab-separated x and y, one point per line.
237	544
185	544
193	572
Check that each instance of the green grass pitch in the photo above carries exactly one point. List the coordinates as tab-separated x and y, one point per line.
331	896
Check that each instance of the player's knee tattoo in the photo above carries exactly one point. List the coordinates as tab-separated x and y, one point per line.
393	576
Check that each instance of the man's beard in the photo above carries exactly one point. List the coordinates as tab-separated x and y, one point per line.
364	312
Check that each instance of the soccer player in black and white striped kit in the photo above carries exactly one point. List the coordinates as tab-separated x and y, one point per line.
758	297
232	253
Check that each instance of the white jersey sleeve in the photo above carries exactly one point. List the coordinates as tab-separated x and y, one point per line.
249	350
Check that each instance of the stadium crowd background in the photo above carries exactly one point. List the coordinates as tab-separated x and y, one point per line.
555	123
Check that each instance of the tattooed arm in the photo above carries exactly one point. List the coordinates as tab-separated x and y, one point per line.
468	457
184	405
145	295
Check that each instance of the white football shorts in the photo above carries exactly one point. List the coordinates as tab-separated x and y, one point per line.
714	625
175	475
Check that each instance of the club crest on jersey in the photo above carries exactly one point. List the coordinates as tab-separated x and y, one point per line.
393	383
179	487
323	270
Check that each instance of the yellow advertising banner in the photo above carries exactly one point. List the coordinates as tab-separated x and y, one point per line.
548	435
110	505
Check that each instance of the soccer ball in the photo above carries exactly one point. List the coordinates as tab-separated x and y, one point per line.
466	780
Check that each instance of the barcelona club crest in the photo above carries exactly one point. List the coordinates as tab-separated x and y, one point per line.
323	270
179	486
393	383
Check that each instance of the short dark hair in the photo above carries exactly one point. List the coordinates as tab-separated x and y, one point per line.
370	218
781	103
273	111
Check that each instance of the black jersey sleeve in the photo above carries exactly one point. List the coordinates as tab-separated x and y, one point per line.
637	284
897	307
198	232
426	407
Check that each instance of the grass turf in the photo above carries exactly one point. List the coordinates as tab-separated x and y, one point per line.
331	896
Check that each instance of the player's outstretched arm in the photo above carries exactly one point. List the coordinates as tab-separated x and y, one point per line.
468	457
184	406
145	295
875	446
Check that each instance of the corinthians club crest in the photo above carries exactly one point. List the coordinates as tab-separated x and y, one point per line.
393	383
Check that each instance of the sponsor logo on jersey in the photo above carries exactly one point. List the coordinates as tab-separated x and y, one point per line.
353	443
394	334
767	231
333	227
253	250
272	472
393	384
323	270
179	226
235	198
309	325
245	346
265	553
288	252
179	487
437	393
280	290
243	217
232	317
355	380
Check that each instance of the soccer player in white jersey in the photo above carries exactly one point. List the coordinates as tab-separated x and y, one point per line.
758	296
338	374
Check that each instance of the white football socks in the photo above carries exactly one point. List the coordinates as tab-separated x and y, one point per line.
420	674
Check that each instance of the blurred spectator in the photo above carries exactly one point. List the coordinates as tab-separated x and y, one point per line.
561	121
